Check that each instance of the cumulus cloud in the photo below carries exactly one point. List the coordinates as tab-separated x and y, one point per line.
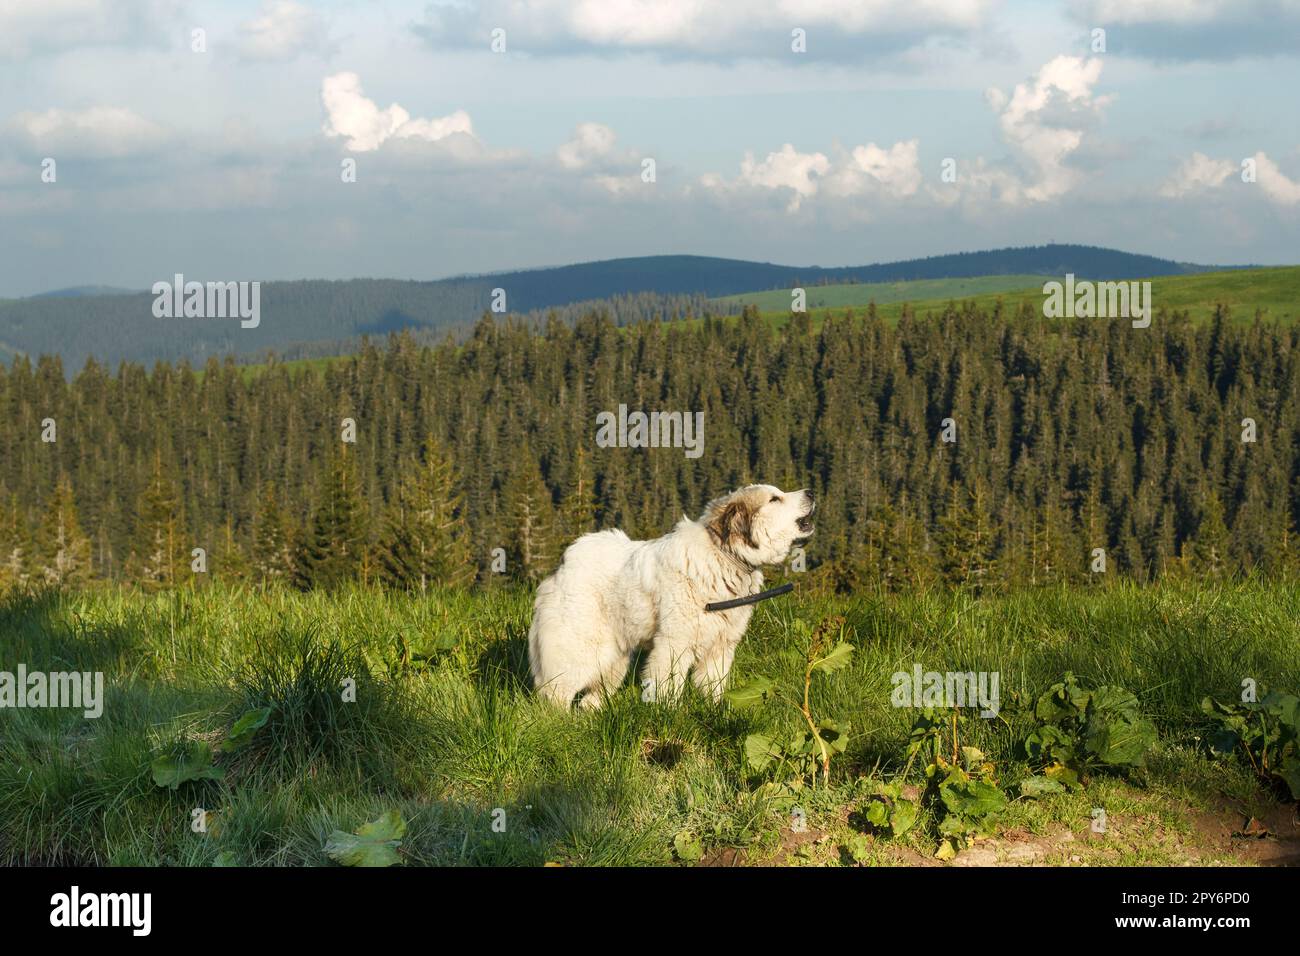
349	113
786	169
98	132
55	26
1194	29
1044	120
1276	186
868	171
846	29
282	30
1197	174
1200	174
591	142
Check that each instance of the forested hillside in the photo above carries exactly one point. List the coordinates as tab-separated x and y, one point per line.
318	317
1070	436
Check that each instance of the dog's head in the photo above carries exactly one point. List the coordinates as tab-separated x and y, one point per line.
759	524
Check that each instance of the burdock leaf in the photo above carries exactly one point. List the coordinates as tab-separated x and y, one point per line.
688	846
374	844
750	694
841	656
191	762
1038	786
246	727
760	750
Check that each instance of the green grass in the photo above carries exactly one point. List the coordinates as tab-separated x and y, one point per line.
882	293
451	740
1275	292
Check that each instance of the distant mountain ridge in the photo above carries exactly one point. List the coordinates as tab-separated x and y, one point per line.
113	325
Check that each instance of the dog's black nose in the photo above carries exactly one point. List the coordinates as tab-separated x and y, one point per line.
807	492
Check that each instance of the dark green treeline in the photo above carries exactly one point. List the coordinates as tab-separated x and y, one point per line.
1069	437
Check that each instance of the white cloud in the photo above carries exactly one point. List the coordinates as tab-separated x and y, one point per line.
1276	186
1044	120
787	169
1197	174
871	169
851	29
282	30
351	114
591	142
101	131
1200	174
868	171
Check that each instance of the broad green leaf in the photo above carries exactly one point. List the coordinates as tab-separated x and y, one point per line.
1119	742
877	813
688	846
749	694
859	848
841	656
192	762
1037	786
1064	773
902	817
973	799
246	727
760	750
374	844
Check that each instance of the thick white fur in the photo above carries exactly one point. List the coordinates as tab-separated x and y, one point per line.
612	595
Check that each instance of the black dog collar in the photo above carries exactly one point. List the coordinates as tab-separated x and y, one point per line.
751	599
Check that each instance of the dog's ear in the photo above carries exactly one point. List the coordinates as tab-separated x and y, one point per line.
731	520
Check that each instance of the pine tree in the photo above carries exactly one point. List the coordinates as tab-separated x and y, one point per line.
229	562
159	552
335	550
579	508
15	546
63	552
425	542
532	549
274	561
1209	547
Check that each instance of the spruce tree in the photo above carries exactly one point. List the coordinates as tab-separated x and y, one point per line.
63	552
425	542
158	558
335	548
273	560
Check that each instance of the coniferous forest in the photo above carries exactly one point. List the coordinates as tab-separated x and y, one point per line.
409	465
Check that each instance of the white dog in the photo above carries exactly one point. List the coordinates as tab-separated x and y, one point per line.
611	596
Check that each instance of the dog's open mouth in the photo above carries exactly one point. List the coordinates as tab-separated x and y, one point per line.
805	525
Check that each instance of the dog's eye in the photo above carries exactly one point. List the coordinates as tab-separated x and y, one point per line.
775	498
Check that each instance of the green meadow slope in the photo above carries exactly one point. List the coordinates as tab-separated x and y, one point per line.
1274	292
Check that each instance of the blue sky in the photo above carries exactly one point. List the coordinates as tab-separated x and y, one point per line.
225	163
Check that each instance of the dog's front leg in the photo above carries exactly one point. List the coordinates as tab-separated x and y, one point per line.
712	669
665	670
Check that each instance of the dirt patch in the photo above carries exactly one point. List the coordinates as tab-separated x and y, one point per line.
1271	838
